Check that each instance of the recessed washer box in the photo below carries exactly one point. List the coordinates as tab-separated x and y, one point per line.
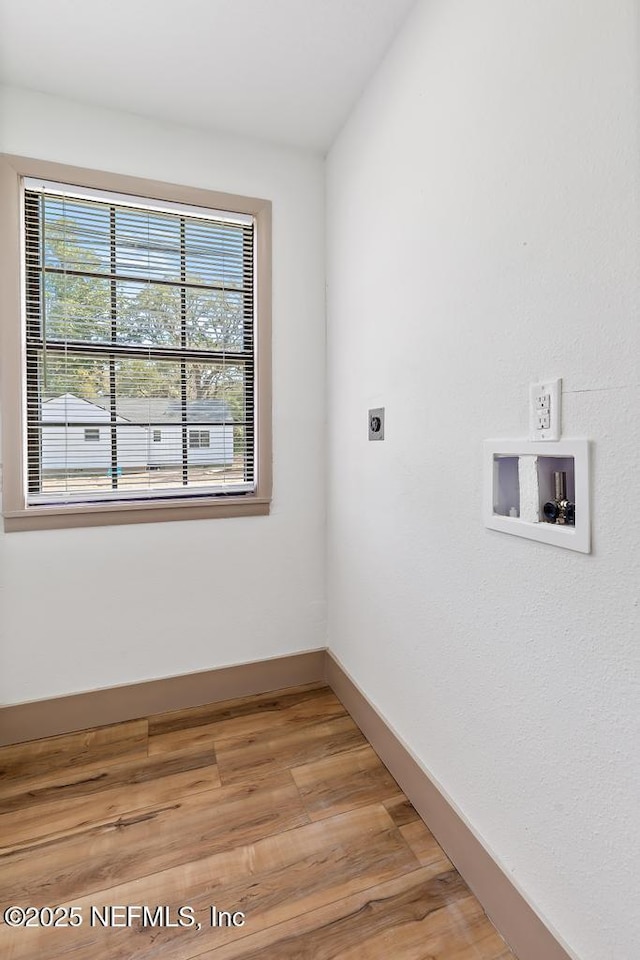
519	478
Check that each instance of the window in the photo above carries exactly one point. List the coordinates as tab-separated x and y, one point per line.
199	438
141	317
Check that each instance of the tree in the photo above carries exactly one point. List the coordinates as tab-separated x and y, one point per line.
75	308
79	308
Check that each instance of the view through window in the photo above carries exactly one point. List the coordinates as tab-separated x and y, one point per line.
140	365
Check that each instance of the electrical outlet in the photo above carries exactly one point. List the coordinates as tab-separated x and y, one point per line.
543	420
376	424
544	410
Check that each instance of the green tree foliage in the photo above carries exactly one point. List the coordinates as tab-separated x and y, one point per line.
79	308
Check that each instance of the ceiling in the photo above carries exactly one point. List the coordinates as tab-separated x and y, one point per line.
282	70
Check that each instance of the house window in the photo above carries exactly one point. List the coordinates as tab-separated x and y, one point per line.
141	314
199	438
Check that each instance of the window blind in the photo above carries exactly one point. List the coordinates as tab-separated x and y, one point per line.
140	348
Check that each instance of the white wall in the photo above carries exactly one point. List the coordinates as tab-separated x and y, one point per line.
483	232
90	608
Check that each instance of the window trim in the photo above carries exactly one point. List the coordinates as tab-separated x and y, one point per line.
19	516
196	443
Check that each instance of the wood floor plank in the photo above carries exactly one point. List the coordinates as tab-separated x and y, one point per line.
401	810
146	842
240	706
177	742
282	936
247	758
416	917
458	931
350	779
42	763
252	715
65	817
272	881
425	846
83	783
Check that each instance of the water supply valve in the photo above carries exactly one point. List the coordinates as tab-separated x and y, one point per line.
560	510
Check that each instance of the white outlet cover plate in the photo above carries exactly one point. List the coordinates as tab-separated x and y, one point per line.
553	390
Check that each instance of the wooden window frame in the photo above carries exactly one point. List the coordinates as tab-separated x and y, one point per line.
17	514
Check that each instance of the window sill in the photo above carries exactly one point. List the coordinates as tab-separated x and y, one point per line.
109	514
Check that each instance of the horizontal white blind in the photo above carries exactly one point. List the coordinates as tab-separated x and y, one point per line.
139	349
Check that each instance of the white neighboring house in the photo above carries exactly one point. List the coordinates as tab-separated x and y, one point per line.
140	443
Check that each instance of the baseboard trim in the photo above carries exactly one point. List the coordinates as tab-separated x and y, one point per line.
522	928
97	708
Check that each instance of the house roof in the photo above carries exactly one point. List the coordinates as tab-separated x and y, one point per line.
169	410
160	409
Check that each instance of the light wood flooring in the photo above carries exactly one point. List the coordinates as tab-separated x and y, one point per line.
275	806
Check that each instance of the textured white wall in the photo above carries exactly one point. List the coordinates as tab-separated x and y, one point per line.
90	608
483	232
